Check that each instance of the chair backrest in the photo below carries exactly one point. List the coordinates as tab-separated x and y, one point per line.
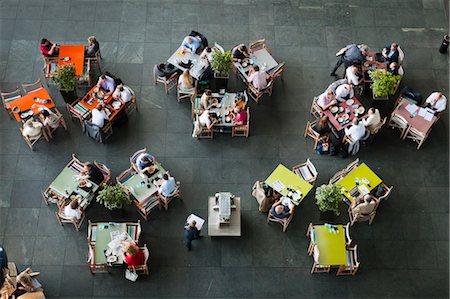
136	154
335	84
124	174
146	253
104	169
387	192
32	86
347	233
310	128
401	71
256	45
352	165
316	254
278	70
338	176
379	126
401	55
311	167
9	96
398	120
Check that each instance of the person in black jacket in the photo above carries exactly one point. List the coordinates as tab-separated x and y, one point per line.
390	53
191	233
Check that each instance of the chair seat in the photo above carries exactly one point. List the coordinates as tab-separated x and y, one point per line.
305	173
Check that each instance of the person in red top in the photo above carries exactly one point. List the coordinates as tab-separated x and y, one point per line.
47	48
133	256
241	116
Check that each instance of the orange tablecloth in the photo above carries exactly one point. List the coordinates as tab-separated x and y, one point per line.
76	54
88	105
25	102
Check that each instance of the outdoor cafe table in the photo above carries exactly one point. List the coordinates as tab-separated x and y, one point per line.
334	117
76	55
332	250
290	180
198	65
26	102
261	58
361	172
418	120
102	239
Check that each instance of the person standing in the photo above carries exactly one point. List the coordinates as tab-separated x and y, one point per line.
191	233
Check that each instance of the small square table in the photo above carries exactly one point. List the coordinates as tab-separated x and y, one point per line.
332	247
360	172
417	121
262	58
143	188
198	66
334	117
76	55
102	239
26	102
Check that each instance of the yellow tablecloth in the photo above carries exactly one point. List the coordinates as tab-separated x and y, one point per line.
289	180
331	246
360	172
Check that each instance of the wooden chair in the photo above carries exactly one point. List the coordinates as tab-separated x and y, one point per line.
401	72
51	198
95	61
134	230
312	238
352	165
8	97
32	141
258	45
306	171
190	93
387	192
277	71
401	55
338	176
317	268
397	121
352	265
144	267
379	126
284	221
165	200
256	94
316	110
134	157
107	130
416	136
61	122
310	132
241	130
74	113
106	173
85	78
360	217
32	86
348	239
49	69
205	133
169	83
93	266
62	218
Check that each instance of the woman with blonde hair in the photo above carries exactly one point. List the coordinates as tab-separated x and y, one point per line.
132	255
185	81
93	46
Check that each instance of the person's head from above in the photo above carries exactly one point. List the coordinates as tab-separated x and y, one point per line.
279	209
161	66
45	113
186	73
99	107
165	177
131	249
121	88
237	110
208	92
371	111
146	159
92	39
330	94
393	66
394	47
208	49
190	40
256	68
354	68
74	205
364	49
355	121
242	48
88	166
192	224
45	42
367	198
324	120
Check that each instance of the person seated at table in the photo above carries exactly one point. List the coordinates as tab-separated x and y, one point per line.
144	162
390	53
123	94
356	131
436	101
206	120
344	92
185	81
26	283
322	126
373	120
206	100
363	206
168	185
93	46
107	84
73	210
281	211
164	70
350	54
239	53
326	100
241	116
393	68
191	44
207	54
91	172
32	129
353	75
258	78
48	49
48	117
99	116
132	255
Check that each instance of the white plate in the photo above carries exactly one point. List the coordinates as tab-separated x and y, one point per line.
96	89
334	109
345	117
361	110
341	109
349	102
365	181
111	259
340	119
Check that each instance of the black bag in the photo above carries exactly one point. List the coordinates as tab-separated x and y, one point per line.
412	94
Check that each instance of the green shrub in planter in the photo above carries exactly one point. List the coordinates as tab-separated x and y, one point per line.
384	83
113	197
65	77
328	198
221	63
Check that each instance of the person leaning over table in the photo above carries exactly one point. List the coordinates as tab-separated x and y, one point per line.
191	233
73	210
185	81
240	52
32	129
344	92
356	131
123	94
92	173
373	120
206	120
143	163
93	46
107	84
48	117
350	54
132	255
281	211
191	44
258	78
99	116
241	116
364	206
168	185
326	100
48	49
353	75
436	101
393	68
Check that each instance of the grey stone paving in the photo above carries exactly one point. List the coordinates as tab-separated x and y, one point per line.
403	254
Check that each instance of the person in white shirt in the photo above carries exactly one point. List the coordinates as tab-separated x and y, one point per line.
168	185
364	207
326	100
373	120
205	120
344	92
352	74
31	129
356	131
436	101
107	84
207	54
48	118
185	81
73	210
99	116
123	94
258	78
205	100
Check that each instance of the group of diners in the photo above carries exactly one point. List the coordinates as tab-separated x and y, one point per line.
49	49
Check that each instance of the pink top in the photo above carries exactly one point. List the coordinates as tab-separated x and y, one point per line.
241	117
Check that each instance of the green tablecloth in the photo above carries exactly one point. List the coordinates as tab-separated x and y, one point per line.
102	239
138	185
332	251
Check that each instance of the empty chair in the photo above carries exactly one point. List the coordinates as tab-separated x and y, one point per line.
256	94
63	218
168	83
258	45
85	78
317	268
165	200
310	132
132	104
32	86
242	130
8	97
144	267
74	113
93	266
106	173
352	165
134	230
283	221
385	193
277	71
312	238
415	135
316	110
306	171
352	265
338	176
397	121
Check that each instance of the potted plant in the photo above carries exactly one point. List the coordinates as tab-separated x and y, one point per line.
328	198
65	80
113	198
384	84
221	65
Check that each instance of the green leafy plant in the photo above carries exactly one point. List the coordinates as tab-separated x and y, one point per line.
113	197
328	198
384	83
64	77
221	63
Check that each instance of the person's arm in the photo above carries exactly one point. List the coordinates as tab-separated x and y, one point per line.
332	103
52	49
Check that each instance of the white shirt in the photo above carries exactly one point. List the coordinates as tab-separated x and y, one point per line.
125	95
440	104
107	84
98	117
69	212
167	187
323	100
351	77
204	119
51	120
31	129
372	121
356	132
342	92
259	79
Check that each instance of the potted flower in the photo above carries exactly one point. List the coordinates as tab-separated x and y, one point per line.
66	81
113	198
221	65
328	198
384	84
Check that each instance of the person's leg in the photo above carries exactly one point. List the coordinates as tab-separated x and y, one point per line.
337	65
